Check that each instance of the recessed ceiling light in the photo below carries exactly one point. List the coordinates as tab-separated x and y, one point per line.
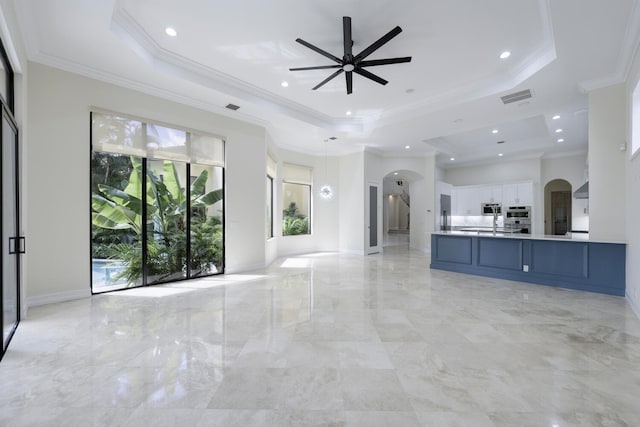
505	54
558	130
348	113
395	173
560	139
500	154
494	131
407	147
284	84
556	117
452	159
171	32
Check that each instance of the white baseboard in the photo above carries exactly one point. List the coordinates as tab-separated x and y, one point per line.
421	249
58	297
634	305
243	268
352	251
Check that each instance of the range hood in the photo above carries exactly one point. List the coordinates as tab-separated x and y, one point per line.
582	192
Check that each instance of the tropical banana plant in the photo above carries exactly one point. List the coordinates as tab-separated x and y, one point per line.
166	211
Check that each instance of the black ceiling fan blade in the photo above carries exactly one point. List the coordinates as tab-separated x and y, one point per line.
386	61
378	44
319	67
322	83
367	74
320	51
348	42
349	76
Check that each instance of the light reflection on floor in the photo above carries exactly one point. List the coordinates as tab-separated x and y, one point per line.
339	339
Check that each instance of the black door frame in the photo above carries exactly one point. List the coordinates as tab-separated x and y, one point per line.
7	106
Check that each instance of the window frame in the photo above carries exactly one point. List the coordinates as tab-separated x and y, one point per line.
309	195
221	164
270	207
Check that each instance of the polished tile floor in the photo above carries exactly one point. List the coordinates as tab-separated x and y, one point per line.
328	339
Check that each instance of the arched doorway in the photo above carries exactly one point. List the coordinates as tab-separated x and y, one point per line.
396	212
557	207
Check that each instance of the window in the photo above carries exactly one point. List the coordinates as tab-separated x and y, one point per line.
177	232
6	79
296	200
271	173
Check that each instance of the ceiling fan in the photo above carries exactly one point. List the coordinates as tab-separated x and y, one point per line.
353	64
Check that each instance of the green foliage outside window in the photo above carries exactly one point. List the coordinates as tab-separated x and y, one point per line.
293	222
117	220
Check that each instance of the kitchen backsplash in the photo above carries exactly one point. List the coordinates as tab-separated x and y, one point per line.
475	221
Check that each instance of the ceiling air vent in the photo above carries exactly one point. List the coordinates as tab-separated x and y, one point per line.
232	107
517	96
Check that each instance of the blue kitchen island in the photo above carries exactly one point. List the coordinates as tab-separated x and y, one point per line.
572	262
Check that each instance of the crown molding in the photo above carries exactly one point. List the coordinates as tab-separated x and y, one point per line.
625	58
106	77
127	28
9	45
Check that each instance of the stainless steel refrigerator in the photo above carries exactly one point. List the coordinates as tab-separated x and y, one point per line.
445	212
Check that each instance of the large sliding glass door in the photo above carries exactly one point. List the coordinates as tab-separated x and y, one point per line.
157	217
12	244
166	254
116	231
206	222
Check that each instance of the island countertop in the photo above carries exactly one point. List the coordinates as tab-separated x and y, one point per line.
569	237
572	262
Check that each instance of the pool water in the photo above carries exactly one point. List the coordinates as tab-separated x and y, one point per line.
104	272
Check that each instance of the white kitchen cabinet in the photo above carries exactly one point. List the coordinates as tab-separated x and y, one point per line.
488	193
496	194
525	193
520	194
509	194
465	201
484	194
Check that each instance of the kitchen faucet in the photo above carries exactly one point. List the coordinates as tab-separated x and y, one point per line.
495	219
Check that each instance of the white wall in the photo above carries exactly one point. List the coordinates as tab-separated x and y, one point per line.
57	177
351	200
632	196
607	164
324	212
494	173
572	170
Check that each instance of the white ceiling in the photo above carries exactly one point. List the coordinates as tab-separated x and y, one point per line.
446	100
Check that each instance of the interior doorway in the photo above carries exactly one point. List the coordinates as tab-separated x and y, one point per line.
373	243
397	211
557	207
